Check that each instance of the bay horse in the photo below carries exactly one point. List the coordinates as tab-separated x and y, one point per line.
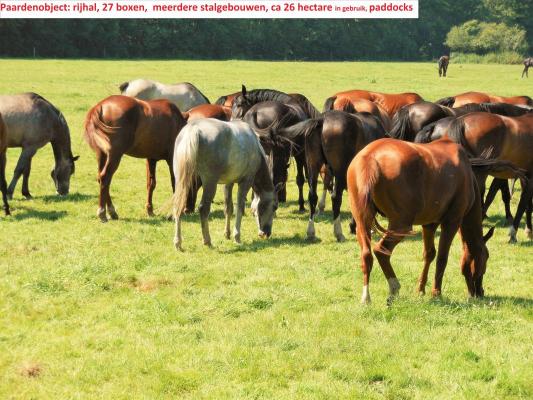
502	138
3	149
31	122
333	139
412	118
228	153
121	125
420	184
443	63
528	62
480	97
391	103
184	95
215	111
267	111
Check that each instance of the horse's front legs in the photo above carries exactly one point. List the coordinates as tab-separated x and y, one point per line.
25	181
523	205
428	233
3	183
205	208
244	187
447	233
150	185
22	164
300	180
313	198
228	209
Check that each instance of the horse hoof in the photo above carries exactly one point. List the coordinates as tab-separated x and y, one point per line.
341	239
170	217
512	239
529	233
113	215
436	293
149	212
302	211
178	246
27	196
237	239
103	218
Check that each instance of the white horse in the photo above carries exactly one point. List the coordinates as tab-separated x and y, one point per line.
184	95
227	153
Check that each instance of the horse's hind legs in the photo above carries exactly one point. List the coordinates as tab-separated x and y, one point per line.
336	201
150	185
205	208
447	233
25	181
383	251
110	164
244	187
3	183
428	232
25	158
523	205
228	210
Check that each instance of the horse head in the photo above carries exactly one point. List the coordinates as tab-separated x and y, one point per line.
241	104
61	174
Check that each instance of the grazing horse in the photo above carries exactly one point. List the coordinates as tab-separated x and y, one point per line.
528	62
215	111
228	153
121	125
3	149
479	97
419	184
500	138
333	139
184	95
267	111
443	65
411	119
391	103
31	122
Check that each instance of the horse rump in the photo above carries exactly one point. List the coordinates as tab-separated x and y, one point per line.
446	101
401	124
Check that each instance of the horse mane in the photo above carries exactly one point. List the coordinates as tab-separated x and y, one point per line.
123	86
310	110
221	100
328	105
260	95
446	101
401	124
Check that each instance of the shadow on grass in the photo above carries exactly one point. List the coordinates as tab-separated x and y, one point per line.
24	213
498	220
489	301
73	197
260	244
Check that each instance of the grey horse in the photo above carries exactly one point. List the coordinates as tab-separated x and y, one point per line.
31	122
228	153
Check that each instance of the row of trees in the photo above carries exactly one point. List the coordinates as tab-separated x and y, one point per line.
420	39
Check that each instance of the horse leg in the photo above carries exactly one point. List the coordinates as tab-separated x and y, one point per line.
150	185
3	183
363	237
383	251
327	181
25	157
428	233
106	175
205	208
525	200
25	181
313	198
493	189
506	198
244	187
529	230
447	233
300	180
336	202
228	209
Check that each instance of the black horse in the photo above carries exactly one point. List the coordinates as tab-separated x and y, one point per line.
443	65
528	62
333	139
267	111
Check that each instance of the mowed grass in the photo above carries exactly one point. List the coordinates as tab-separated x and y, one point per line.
92	310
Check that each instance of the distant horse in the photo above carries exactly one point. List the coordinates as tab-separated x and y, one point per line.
500	138
428	185
362	105
184	95
3	148
479	97
528	62
228	153
267	111
333	139
411	119
443	65
215	111
121	125
31	122
391	103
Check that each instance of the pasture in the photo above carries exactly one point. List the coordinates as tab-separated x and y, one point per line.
92	310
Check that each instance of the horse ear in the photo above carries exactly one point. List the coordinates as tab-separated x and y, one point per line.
243	90
75	158
488	235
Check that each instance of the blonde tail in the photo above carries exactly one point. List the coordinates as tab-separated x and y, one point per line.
185	162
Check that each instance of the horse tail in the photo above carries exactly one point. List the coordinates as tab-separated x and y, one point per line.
96	131
401	124
492	166
221	100
198	90
456	132
446	101
185	167
302	129
123	86
424	136
328	105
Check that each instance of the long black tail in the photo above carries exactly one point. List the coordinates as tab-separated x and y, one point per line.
446	101
301	129
328	105
401	124
492	166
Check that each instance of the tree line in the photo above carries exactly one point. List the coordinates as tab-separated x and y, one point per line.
442	26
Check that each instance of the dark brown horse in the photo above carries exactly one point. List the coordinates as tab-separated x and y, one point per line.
391	103
215	111
429	185
479	97
528	62
500	138
444	61
121	125
333	139
3	149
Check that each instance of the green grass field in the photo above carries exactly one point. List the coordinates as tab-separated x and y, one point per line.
112	311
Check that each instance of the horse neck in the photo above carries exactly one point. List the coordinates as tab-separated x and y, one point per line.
61	143
263	179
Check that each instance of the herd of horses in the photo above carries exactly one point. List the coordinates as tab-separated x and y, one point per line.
412	161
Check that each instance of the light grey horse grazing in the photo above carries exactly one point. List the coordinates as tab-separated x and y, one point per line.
184	95
31	122
228	153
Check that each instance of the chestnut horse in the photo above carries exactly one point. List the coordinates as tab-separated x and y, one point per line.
479	97
391	103
333	139
215	111
363	105
502	138
121	125
3	149
420	184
